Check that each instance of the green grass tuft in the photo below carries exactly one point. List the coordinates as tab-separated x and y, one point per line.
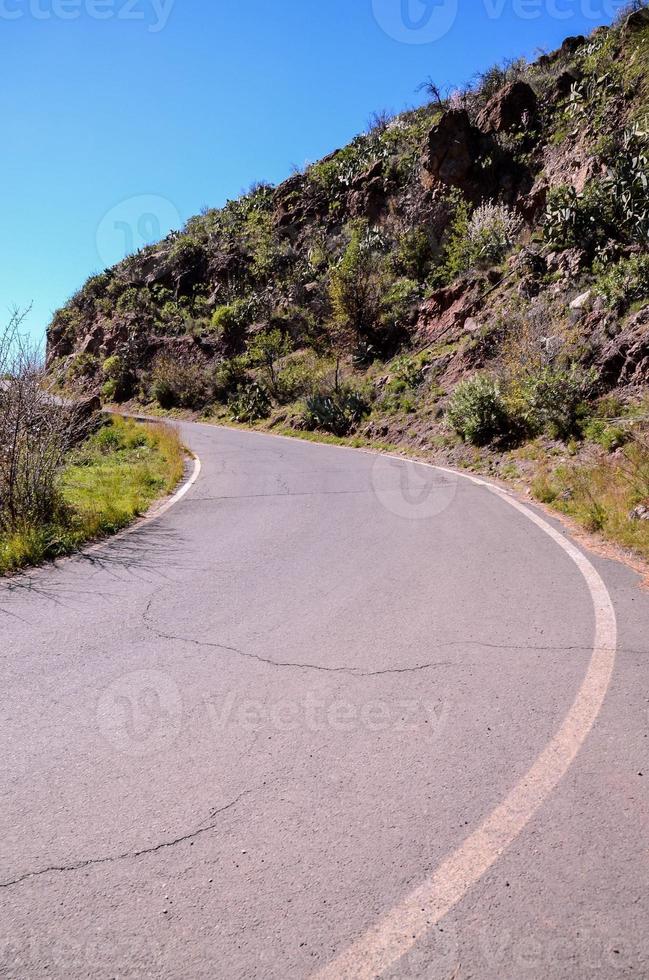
109	481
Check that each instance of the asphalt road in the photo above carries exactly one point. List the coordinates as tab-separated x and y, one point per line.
332	714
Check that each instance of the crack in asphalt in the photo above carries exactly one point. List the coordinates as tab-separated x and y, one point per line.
354	671
350	671
304	493
128	855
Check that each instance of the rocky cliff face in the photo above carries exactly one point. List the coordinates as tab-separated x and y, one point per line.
471	218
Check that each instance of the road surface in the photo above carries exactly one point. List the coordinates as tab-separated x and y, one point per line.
331	715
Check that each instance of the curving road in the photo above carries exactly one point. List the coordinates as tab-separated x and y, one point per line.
331	715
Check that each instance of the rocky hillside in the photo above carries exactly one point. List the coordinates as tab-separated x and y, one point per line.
474	271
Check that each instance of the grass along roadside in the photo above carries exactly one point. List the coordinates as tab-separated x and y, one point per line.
108	481
608	496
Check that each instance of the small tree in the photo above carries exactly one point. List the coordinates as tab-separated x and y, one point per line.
432	90
266	349
355	296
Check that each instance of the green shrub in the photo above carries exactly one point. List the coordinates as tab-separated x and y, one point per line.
335	411
478	410
555	399
477	239
354	291
455	261
250	404
108	439
127	302
411	370
413	255
118	385
82	366
265	350
109	390
578	220
230	375
301	375
113	367
398	303
624	283
396	398
609	437
231	323
187	250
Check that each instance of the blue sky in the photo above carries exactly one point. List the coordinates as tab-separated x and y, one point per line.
122	118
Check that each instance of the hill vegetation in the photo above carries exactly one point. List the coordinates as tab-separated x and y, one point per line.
468	280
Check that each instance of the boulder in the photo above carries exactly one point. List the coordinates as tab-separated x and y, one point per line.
637	20
561	86
367	197
444	316
458	154
511	108
624	358
85	417
453	148
572	44
581	301
568	263
287	200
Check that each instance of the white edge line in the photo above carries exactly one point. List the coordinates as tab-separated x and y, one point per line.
155	511
384	943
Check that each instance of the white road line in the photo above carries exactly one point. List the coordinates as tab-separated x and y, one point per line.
154	512
397	932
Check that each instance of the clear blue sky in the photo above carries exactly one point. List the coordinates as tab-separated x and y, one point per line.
189	101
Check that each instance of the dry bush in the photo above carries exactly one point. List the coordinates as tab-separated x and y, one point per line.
534	339
36	432
179	383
